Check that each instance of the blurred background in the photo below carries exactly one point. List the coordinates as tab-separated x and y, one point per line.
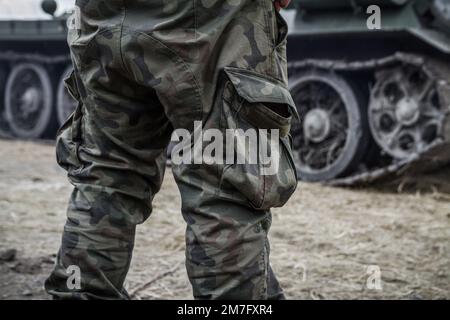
30	9
371	81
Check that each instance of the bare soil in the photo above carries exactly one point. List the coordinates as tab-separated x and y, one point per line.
323	241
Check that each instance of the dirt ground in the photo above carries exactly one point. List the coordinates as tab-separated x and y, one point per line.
325	243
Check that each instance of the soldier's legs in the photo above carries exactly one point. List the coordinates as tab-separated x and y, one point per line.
227	253
114	149
227	205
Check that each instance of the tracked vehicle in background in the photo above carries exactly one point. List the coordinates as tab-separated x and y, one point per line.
34	59
372	102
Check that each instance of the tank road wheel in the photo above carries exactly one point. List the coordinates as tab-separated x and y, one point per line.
28	101
405	113
331	137
65	104
441	10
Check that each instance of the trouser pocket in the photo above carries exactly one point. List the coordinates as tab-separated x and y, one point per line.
69	134
256	116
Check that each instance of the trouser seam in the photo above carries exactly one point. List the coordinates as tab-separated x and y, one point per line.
122	60
195	19
272	35
265	262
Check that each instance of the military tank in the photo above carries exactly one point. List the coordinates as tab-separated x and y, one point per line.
34	60
374	99
371	81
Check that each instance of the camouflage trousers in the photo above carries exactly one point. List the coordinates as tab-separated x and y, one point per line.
143	68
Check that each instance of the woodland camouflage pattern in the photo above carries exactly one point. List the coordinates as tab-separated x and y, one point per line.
143	68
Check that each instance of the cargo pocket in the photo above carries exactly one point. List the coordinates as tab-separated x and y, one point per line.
68	137
256	103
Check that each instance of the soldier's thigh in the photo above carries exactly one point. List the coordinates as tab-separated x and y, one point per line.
116	140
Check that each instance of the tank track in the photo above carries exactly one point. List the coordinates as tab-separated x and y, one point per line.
436	155
12	57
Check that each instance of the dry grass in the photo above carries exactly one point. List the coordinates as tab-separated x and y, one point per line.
322	241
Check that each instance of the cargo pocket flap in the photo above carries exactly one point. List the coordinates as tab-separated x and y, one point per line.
256	88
